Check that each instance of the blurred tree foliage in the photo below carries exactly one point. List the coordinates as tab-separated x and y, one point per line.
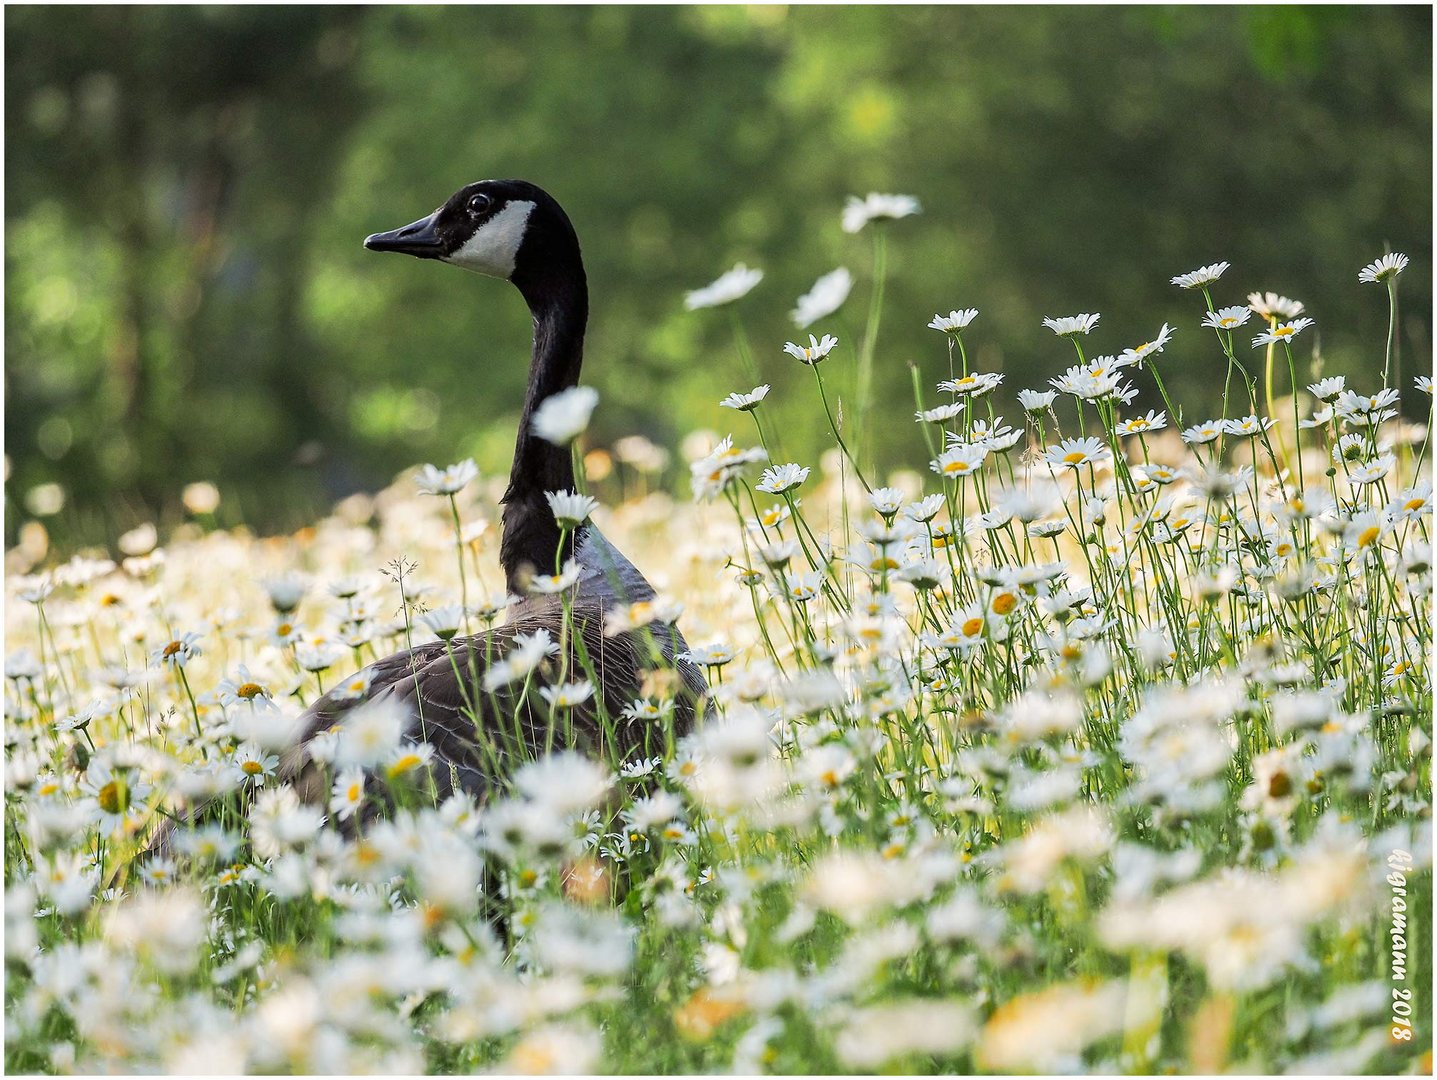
187	188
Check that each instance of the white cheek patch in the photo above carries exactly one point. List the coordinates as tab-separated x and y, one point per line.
495	244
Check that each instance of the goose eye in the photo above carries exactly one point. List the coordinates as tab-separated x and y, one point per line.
479	203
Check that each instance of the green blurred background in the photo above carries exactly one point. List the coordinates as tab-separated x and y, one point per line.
187	189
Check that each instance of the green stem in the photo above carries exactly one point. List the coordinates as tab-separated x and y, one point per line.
870	333
740	337
459	549
1391	329
836	434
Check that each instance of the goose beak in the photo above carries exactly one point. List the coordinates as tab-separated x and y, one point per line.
418	239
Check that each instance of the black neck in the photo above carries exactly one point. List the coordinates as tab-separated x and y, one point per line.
558	298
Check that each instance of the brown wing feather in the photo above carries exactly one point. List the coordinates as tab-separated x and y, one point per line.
478	736
475	733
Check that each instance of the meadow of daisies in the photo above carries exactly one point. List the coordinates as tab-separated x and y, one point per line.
1097	741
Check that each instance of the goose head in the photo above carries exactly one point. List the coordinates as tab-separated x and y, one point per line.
509	229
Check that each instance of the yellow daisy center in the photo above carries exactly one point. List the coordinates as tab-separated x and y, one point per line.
110	797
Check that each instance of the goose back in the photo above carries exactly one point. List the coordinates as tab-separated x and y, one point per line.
478	735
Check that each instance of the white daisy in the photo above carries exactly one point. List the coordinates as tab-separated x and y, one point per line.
1228	318
1389	266
975	384
859	212
562	417
942	414
1148	348
347	794
1249	427
886	500
529	651
177	652
444	622
1091	383
925	509
1204	275
954	321
1372	471
553	584
570	508
729	287
1274	306
816	350
959	462
1282	333
1199	434
1072	453
567	695
447	481
708	655
1141	425
1036	401
1068	325
780	478
827	296
1351	404
746	402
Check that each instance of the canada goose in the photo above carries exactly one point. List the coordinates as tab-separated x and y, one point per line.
514	230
